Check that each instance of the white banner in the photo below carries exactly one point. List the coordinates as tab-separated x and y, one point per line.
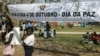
88	11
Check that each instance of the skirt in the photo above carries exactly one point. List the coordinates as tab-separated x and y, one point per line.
8	50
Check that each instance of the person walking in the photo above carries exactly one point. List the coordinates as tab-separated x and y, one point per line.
9	34
28	41
9	48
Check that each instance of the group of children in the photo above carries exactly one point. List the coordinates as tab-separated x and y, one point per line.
92	38
28	40
47	31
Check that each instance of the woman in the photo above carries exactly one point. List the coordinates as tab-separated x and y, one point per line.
9	49
3	31
48	27
28	41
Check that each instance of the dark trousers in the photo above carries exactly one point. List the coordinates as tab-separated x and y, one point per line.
48	34
28	50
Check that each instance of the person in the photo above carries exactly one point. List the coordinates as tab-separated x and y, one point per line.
23	26
28	41
35	26
95	38
86	36
48	28
95	34
9	48
9	34
54	32
0	24
40	33
3	31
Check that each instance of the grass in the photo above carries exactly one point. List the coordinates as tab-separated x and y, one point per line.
66	39
77	29
71	40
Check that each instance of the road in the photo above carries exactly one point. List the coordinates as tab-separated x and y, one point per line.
69	32
74	32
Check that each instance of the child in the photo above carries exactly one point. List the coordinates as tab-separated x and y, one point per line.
28	41
9	48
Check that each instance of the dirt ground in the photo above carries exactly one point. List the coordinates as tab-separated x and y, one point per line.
49	48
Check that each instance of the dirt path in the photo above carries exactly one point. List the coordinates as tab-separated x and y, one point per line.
45	47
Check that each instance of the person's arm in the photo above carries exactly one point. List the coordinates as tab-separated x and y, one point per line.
2	35
10	39
23	37
8	17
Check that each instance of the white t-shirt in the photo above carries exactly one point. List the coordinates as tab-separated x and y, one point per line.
16	37
23	26
8	36
30	40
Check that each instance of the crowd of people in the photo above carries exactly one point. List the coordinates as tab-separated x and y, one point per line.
28	39
27	24
92	37
47	31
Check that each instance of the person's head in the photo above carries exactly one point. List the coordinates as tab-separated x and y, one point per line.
23	22
47	22
29	30
9	26
87	33
94	33
3	22
40	30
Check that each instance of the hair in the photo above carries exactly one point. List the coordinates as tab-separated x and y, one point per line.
87	32
47	22
30	28
10	24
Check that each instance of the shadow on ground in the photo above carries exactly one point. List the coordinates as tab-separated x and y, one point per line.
57	52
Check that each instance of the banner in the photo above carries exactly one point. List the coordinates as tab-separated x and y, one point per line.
88	11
